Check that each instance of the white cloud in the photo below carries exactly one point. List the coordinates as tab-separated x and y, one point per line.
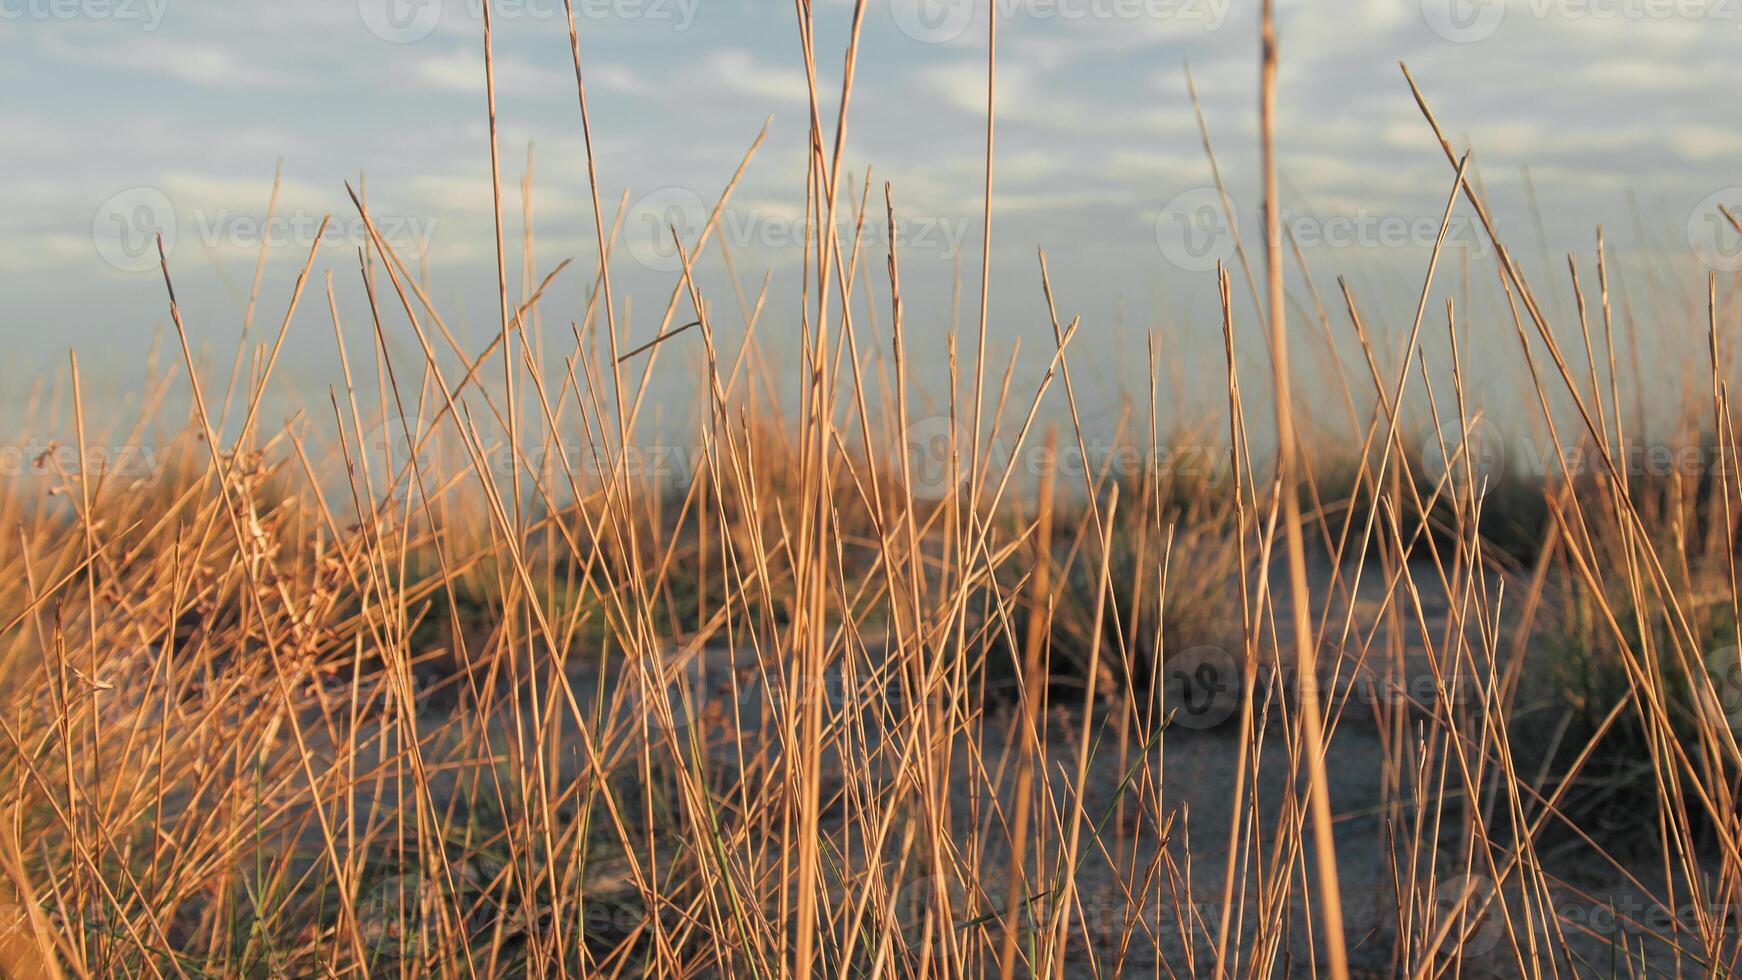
1706	142
740	71
461	69
209	64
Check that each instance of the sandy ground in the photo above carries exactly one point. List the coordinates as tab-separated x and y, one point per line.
1197	760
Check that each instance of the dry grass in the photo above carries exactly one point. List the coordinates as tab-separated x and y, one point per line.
381	703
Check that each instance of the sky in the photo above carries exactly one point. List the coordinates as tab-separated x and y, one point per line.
134	116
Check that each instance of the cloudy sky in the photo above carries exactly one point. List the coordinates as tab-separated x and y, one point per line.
133	115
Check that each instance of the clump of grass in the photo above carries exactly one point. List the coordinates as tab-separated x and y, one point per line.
283	706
